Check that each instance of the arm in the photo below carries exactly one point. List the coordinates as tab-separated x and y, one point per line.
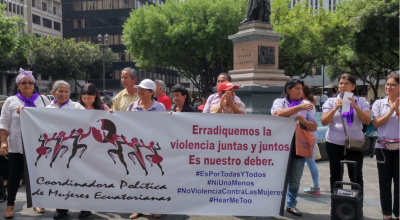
207	107
327	116
5	122
310	125
106	107
236	109
363	113
114	104
379	121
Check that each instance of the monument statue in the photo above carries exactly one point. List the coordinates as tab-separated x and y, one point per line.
258	10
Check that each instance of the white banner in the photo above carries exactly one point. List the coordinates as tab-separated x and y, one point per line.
152	162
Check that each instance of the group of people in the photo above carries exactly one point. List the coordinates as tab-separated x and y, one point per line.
297	103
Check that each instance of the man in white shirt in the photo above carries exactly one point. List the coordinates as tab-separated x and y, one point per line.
324	97
317	102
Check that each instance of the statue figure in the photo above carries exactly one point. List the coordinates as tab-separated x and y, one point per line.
258	10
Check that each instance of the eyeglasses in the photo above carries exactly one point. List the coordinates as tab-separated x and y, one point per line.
391	85
345	84
29	83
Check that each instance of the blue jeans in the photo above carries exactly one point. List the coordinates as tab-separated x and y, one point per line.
296	171
313	166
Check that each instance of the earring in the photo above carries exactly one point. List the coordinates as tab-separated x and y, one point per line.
34	91
18	91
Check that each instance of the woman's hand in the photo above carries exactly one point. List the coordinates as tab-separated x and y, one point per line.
19	109
111	110
224	101
394	106
4	148
300	119
352	102
305	106
339	104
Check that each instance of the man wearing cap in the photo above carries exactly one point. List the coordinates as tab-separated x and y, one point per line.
146	90
122	100
227	105
160	94
215	98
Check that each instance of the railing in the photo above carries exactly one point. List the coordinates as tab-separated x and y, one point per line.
48	11
59	15
38	7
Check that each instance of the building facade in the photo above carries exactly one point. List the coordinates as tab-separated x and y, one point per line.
84	20
42	17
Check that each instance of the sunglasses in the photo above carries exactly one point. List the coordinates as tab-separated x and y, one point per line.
29	83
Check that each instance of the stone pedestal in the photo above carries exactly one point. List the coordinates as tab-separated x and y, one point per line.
256	66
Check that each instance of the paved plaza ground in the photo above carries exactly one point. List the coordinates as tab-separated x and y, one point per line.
313	207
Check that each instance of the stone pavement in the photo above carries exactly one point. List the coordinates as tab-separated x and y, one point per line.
313	207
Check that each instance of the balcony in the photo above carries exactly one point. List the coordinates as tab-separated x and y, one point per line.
110	83
38	7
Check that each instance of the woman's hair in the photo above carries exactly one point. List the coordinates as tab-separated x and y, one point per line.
307	93
13	88
59	83
180	88
393	75
351	78
90	89
290	84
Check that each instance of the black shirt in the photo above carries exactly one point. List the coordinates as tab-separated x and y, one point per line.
185	108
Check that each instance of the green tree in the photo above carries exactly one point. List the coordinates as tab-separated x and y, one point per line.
8	33
17	59
66	59
307	36
190	36
369	40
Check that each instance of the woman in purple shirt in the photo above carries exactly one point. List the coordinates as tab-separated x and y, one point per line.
292	106
335	137
386	120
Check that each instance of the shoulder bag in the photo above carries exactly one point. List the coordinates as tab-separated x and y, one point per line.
352	144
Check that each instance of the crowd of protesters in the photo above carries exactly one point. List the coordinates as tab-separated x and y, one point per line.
297	102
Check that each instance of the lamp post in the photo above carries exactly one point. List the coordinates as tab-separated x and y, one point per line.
103	46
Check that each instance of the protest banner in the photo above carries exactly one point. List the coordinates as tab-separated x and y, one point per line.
154	162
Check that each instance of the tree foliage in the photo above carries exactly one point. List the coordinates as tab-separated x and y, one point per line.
191	36
17	59
308	36
9	27
369	40
66	59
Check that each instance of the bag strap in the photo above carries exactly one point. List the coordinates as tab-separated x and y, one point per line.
345	132
42	100
344	126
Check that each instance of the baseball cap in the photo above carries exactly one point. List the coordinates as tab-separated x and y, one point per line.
146	84
201	107
225	86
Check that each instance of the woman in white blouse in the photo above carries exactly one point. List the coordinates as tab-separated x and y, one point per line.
10	133
61	93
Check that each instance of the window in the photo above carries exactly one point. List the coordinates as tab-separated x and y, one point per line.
1	1
79	23
116	39
123	3
57	26
47	23
14	9
36	19
54	10
17	9
334	4
316	4
77	6
122	57
107	4
22	10
10	7
115	4
33	3
44	6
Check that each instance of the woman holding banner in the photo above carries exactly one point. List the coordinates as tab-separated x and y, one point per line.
292	106
386	119
146	103
353	119
10	133
61	92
